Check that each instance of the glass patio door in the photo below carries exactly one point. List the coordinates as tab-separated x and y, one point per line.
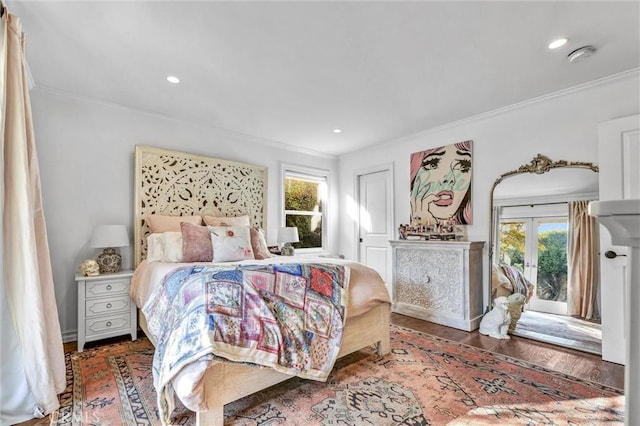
538	248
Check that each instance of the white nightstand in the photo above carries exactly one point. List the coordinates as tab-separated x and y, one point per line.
105	308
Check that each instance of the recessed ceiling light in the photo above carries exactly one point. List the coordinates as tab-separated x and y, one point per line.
558	43
337	131
173	79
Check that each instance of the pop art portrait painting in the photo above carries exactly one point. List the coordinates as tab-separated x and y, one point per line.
441	185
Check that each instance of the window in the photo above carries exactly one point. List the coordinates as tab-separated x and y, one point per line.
305	198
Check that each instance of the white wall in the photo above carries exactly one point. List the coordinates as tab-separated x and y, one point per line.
562	126
86	158
86	154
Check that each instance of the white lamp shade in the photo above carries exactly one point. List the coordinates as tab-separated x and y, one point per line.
288	234
106	236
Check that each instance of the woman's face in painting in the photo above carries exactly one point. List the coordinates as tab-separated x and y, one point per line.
441	183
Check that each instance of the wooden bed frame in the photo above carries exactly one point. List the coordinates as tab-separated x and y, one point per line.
228	382
175	183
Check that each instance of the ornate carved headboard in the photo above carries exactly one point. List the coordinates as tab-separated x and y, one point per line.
179	184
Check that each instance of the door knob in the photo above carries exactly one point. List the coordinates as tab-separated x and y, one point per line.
609	254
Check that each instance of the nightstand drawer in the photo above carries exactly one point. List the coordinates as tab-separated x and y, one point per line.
107	288
110	305
104	307
109	324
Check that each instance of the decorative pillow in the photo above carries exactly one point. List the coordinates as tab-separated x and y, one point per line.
227	221
196	243
159	223
230	243
164	247
259	243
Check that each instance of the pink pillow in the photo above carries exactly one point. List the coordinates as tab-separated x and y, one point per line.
196	243
259	243
160	223
227	221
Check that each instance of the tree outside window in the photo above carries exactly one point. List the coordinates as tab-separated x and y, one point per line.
551	276
304	206
512	244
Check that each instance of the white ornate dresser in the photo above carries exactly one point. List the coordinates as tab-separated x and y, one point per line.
439	281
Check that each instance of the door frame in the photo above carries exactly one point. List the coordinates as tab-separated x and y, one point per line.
615	310
385	167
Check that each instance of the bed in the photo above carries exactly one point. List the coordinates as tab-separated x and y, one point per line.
178	184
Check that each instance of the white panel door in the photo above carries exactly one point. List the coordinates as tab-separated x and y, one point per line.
375	220
619	155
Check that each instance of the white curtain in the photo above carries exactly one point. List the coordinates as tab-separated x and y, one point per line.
33	328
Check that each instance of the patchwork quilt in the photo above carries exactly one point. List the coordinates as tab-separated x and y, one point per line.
288	317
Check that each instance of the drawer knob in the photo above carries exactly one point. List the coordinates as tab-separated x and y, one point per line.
108	305
109	287
108	323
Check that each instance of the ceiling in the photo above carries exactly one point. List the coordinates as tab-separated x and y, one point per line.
291	72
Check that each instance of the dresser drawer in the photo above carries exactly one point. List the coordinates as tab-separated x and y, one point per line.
94	307
108	325
107	288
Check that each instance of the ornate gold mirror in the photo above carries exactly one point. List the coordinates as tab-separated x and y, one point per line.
522	189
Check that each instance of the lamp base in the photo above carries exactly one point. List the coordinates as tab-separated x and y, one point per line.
109	261
287	250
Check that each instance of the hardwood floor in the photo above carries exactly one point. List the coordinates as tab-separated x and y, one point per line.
579	364
568	361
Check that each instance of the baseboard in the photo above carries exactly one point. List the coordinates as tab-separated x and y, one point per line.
70	336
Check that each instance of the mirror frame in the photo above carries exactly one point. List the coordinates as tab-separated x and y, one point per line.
539	165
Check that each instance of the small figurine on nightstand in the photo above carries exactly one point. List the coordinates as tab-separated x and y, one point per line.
89	268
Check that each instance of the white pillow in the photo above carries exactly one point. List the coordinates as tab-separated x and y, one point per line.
164	247
231	243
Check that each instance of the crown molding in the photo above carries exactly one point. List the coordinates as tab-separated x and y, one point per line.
50	91
634	72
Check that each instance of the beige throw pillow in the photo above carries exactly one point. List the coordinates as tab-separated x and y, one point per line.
227	221
259	243
161	223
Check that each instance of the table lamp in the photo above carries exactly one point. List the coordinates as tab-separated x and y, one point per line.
288	235
109	237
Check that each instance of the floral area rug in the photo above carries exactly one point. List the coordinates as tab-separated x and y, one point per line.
425	380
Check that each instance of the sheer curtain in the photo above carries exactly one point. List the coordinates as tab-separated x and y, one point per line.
28	293
583	262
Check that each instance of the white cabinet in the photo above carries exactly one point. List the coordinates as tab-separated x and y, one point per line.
105	308
439	281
